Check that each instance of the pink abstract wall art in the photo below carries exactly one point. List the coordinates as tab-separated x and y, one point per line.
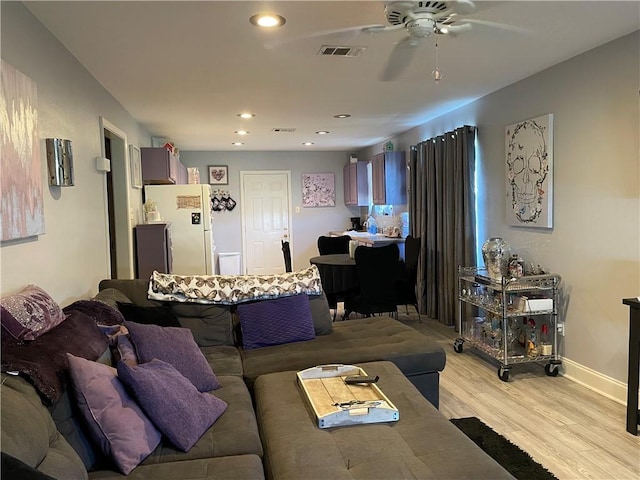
21	202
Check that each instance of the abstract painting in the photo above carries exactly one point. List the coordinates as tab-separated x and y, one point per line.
318	190
21	200
529	172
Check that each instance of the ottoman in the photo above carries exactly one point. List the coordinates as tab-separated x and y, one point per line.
422	444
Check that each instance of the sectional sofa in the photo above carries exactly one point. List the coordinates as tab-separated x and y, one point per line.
266	429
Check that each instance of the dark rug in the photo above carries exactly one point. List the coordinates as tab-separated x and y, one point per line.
516	461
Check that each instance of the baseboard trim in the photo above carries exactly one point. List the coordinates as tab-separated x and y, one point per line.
596	381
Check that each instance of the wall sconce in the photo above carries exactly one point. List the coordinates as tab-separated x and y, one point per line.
59	162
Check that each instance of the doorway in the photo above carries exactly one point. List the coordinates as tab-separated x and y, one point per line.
266	213
114	142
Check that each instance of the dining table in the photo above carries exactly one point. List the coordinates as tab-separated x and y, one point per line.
338	273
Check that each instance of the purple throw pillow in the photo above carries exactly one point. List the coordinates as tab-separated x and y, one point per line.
176	346
173	403
101	313
125	351
274	322
116	423
30	313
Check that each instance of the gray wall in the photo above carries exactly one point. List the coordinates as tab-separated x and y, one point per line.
307	225
72	256
595	242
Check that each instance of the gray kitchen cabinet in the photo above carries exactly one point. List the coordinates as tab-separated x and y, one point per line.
389	178
356	187
153	249
160	166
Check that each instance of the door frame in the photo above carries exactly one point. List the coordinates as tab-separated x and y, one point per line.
121	182
243	222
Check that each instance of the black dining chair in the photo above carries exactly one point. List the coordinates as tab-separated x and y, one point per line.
331	245
378	270
286	252
406	286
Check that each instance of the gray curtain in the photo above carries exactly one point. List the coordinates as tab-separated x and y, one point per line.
442	213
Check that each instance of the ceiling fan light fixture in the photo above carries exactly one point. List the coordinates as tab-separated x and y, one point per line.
436	75
342	115
241	132
237	144
307	144
246	115
322	132
267	20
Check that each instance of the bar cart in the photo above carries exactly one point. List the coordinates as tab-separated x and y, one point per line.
517	318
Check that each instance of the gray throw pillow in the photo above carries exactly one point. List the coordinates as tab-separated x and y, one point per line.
321	315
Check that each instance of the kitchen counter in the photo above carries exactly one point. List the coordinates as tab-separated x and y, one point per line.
365	238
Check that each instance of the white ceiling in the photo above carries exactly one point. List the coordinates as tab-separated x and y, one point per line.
186	69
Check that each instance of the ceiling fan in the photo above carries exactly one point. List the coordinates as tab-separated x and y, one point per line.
420	20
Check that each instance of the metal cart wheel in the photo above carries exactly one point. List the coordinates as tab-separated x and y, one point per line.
457	345
551	369
503	374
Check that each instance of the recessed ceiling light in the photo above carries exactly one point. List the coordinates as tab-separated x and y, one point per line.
342	115
246	115
237	144
322	132
307	144
267	20
242	132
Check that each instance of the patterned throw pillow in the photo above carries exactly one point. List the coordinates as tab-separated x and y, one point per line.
30	313
274	322
171	401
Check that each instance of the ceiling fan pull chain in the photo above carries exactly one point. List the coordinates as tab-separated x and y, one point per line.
436	74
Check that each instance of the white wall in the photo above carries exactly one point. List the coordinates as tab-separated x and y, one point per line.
307	225
71	258
595	242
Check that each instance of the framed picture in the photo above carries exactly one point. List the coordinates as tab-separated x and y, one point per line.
21	199
218	175
529	172
135	166
318	190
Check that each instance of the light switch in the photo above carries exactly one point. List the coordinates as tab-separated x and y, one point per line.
297	209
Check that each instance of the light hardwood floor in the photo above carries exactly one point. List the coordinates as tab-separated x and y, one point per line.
574	432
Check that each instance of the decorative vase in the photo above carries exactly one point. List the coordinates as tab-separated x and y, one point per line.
495	253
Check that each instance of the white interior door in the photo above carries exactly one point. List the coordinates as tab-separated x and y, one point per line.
266	210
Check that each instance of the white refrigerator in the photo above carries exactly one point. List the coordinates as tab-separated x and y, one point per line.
188	209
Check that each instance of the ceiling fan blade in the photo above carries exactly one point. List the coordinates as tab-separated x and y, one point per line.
499	26
373	29
399	60
346	32
454	30
465	7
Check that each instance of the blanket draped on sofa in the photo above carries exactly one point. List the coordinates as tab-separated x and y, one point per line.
233	289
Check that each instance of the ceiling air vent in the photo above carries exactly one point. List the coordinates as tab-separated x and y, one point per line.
284	130
336	51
